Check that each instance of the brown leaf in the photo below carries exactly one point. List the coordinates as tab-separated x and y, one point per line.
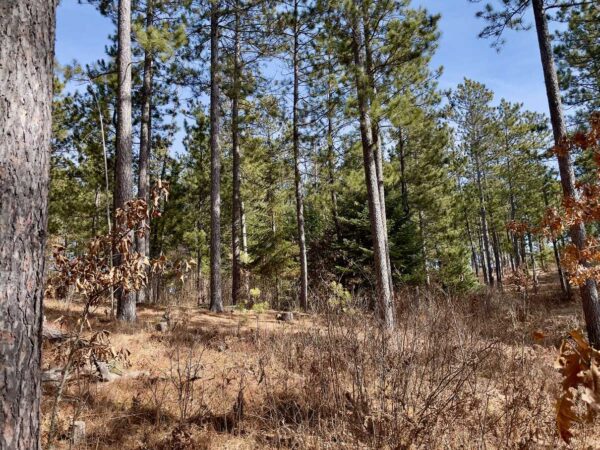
565	416
538	335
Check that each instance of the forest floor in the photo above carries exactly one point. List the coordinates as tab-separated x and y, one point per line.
476	372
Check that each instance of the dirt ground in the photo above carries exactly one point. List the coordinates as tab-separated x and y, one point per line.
245	380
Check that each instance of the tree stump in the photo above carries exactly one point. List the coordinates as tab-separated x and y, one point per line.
78	432
285	316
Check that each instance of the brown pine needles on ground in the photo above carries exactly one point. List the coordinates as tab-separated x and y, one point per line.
457	373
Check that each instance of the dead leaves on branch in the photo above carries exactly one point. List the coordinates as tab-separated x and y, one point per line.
110	261
586	141
93	274
579	365
79	352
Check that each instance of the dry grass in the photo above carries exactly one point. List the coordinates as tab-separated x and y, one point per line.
458	373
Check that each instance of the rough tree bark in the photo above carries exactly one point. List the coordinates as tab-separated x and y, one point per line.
236	215
123	166
384	292
297	175
143	242
375	133
216	298
26	62
589	291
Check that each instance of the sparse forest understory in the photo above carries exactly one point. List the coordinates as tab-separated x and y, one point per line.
470	371
264	224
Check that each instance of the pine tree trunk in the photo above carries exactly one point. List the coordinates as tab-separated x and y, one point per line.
26	63
523	253
297	175
495	241
542	257
497	253
236	269
484	224
376	136
532	258
95	214
497	256
564	282
143	242
270	198
511	254
589	291
123	167
564	286
422	235
384	293
216	298
245	272
473	251
484	265
331	162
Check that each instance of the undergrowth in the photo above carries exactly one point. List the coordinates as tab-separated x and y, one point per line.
456	373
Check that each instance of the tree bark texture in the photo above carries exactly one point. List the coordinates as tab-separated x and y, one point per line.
384	293
26	63
236	268
216	297
376	135
123	166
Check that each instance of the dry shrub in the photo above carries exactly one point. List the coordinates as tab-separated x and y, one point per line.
463	372
435	382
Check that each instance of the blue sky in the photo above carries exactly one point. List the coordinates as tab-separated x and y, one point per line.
514	74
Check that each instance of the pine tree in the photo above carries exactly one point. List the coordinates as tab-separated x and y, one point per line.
27	51
473	114
236	216
123	156
216	299
80	198
578	58
142	242
295	27
511	16
249	45
159	32
376	211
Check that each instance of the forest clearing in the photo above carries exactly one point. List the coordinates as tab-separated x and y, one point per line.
458	374
303	224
